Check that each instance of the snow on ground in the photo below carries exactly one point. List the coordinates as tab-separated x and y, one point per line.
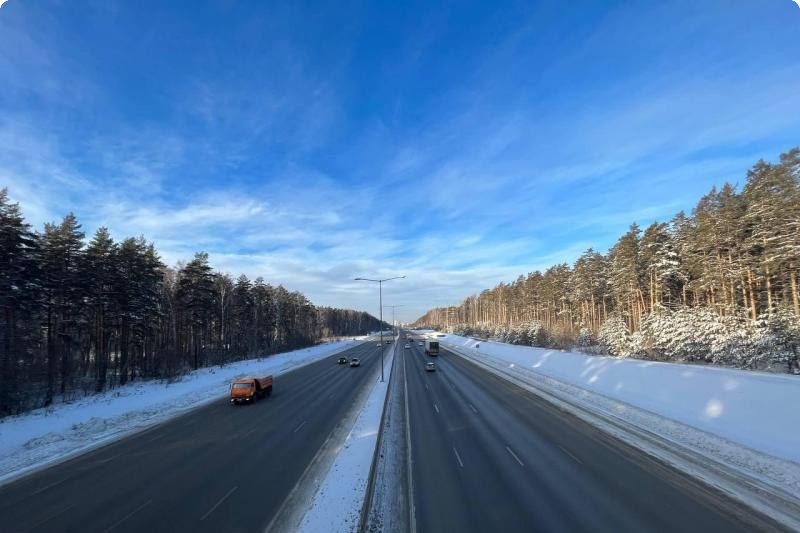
47	435
337	504
750	408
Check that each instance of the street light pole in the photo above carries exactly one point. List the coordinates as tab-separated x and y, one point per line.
394	325
380	300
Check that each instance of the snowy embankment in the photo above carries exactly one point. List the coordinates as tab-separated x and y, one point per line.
48	435
734	429
338	503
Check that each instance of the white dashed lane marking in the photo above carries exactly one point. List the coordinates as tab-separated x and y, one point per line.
515	456
458	457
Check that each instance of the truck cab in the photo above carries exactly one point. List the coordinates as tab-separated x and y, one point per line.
247	390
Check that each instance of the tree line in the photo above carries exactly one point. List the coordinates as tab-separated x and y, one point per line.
728	270
79	317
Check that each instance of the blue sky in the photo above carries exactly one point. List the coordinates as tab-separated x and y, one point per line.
458	143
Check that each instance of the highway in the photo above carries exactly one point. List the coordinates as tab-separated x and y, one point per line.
487	455
218	468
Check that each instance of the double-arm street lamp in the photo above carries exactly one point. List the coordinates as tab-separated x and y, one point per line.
380	299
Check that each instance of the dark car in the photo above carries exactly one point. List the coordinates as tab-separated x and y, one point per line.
342	361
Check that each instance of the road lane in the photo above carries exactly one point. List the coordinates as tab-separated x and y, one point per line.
490	456
217	468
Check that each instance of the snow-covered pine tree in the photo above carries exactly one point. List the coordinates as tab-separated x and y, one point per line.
779	338
585	337
661	267
101	262
20	299
625	276
64	284
772	195
615	337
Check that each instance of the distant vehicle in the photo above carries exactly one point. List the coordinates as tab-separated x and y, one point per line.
441	335
355	361
378	344
388	342
432	347
342	361
407	346
430	367
250	389
421	343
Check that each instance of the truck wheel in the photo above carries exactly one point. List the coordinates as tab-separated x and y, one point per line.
269	391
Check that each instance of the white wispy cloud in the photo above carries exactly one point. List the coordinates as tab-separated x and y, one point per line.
290	170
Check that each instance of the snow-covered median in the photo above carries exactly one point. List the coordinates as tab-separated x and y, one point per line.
44	436
338	503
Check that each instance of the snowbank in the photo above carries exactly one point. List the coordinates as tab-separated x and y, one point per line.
750	408
46	435
337	504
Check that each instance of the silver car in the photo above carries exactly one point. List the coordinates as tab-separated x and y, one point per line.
430	367
355	361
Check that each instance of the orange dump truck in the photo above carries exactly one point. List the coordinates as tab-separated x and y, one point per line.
250	389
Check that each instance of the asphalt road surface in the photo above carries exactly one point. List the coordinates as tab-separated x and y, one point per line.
488	455
220	468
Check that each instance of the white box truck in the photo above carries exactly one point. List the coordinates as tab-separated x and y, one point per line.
431	347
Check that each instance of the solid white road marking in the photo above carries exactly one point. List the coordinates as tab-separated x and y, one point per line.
47	519
436	407
50	486
253	430
412	511
473	409
219	503
300	426
104	461
458	457
572	456
514	456
121	520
